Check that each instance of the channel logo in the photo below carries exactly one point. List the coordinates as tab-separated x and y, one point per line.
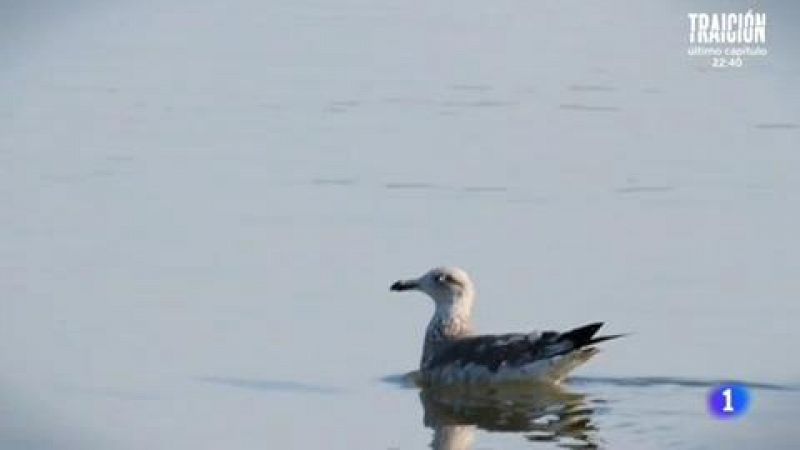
728	401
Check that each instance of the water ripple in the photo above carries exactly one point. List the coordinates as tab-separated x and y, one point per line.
675	381
778	126
270	385
588	108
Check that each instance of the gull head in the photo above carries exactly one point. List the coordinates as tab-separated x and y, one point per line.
447	286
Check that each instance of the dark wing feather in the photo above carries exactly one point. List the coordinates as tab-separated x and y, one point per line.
516	349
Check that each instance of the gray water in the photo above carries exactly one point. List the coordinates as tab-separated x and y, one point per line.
204	205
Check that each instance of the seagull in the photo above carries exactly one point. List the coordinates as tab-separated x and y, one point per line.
453	353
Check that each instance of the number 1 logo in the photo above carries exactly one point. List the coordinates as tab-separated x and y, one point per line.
728	401
728	394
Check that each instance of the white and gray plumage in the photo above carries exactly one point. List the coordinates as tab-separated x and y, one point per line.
452	353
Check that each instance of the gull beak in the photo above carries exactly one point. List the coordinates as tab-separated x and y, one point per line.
404	285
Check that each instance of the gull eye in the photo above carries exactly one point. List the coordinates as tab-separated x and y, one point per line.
445	278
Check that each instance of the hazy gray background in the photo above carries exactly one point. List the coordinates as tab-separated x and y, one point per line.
204	204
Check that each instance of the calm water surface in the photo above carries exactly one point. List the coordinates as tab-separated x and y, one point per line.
205	204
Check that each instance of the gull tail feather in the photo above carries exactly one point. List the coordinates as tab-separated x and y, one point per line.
585	335
607	337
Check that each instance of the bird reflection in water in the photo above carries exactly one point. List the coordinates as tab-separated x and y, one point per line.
542	413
